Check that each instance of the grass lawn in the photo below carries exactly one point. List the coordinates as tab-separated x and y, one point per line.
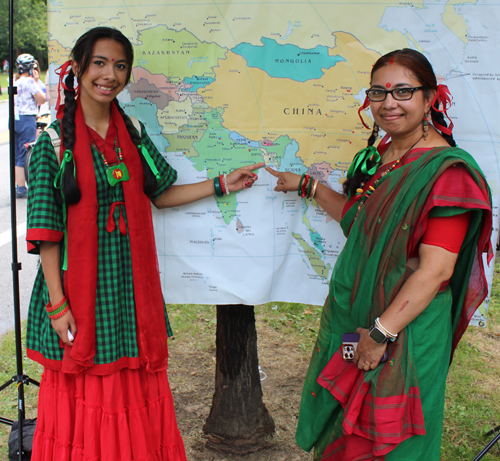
286	335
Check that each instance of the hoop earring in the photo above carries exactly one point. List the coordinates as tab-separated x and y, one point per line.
426	126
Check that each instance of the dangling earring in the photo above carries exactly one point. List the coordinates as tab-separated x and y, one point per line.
375	130
426	126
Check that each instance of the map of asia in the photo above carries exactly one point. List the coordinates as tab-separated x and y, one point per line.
221	84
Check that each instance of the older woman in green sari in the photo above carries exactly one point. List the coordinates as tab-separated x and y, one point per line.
416	211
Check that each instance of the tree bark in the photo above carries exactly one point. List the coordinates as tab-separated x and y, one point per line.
238	421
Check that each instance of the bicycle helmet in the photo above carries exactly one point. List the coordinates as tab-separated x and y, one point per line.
25	62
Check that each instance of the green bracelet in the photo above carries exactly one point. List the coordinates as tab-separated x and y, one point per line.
218	189
59	310
299	190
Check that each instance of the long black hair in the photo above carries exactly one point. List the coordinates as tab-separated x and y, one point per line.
82	54
421	68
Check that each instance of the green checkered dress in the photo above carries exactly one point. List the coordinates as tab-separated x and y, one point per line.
114	316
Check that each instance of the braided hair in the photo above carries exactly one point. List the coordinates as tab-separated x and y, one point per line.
69	187
421	68
82	54
358	178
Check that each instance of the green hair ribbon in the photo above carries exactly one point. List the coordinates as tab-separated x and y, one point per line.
67	157
367	160
149	160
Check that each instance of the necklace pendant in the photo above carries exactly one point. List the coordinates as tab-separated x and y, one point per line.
117	173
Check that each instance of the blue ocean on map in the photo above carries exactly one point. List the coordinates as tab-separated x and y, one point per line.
287	61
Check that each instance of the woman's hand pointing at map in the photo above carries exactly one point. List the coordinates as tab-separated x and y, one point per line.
287	181
242	178
310	188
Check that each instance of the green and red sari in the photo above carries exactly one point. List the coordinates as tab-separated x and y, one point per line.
347	414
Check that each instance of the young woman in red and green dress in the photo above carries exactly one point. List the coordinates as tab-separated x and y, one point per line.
416	211
97	321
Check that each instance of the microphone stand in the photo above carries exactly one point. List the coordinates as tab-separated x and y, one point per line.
19	378
490	445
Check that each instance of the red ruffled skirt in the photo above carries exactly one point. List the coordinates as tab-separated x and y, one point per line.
125	416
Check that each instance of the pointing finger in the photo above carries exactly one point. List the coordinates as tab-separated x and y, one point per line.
273	172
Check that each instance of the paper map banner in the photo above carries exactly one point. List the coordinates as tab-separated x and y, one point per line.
225	84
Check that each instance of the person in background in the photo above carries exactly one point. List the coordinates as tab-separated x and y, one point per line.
30	95
416	211
36	67
97	320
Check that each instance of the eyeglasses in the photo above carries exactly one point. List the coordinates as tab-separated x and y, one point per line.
399	94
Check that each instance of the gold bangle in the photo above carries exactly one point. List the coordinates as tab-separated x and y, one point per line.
313	191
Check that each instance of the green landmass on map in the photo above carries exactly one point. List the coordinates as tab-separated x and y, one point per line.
313	233
218	153
314	257
188	134
274	151
176	54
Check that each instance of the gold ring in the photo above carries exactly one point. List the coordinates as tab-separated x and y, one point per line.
366	367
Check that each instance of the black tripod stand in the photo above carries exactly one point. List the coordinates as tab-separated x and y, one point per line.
493	441
19	378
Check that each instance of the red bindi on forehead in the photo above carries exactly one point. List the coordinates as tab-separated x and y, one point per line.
112	59
388	85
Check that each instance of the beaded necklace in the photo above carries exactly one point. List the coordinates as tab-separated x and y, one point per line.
363	196
115	172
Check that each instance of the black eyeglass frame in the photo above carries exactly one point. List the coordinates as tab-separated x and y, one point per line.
391	92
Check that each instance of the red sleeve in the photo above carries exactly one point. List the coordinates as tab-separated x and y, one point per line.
454	188
35	236
447	232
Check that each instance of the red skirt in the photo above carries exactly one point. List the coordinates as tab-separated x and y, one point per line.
125	416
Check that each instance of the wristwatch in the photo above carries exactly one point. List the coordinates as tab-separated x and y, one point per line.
378	335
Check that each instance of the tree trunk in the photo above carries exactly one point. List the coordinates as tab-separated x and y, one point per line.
238	420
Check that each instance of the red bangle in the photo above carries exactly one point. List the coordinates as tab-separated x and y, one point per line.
304	184
221	179
58	316
57	310
49	308
59	304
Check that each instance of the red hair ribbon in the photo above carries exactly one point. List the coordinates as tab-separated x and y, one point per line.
366	103
63	71
384	143
443	98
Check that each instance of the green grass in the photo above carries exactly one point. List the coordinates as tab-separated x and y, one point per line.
198	322
4	83
473	395
473	391
8	397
